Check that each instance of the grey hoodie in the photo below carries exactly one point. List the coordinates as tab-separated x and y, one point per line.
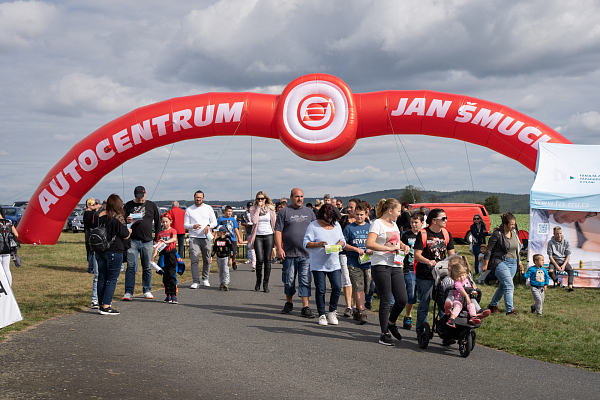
559	250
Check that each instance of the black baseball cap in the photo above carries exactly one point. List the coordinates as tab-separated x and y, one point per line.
249	204
139	192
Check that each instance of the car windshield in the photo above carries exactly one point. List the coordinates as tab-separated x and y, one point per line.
76	213
10	212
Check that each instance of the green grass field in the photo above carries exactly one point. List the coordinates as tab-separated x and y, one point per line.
53	281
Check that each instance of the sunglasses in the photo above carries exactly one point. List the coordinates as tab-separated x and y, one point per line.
442	218
260	198
476	219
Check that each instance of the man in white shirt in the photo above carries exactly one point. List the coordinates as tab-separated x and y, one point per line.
199	220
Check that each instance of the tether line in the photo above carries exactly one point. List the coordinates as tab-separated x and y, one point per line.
411	164
163	171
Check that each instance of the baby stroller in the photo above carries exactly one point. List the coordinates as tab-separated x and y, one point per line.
464	332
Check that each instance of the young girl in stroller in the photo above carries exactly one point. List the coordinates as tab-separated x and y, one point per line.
464	293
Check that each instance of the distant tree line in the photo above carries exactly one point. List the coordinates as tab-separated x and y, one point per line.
495	203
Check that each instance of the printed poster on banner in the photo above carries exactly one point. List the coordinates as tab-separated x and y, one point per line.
9	309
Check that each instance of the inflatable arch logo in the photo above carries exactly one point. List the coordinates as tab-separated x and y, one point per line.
317	117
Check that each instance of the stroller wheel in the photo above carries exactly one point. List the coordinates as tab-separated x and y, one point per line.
423	335
465	344
473	335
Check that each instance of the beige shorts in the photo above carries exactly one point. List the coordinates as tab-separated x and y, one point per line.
361	278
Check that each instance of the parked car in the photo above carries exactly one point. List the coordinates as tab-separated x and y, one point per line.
69	221
77	223
13	214
460	217
218	210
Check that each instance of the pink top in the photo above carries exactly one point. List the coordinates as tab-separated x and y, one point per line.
458	286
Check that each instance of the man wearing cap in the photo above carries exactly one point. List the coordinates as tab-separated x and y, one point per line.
141	213
290	228
177	215
199	220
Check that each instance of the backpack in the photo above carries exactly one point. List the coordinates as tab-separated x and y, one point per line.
99	239
6	236
424	240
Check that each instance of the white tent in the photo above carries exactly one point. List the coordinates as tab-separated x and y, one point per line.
566	193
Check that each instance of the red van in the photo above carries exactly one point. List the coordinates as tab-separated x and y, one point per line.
460	216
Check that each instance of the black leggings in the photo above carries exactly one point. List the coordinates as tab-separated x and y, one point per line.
389	280
263	246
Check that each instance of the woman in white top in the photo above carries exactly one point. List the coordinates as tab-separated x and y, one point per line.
384	240
262	215
325	231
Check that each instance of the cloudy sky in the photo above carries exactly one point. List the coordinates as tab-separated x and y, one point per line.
69	67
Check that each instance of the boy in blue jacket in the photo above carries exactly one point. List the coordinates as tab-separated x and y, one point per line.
538	280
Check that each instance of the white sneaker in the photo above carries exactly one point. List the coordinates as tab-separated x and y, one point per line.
127	297
206	283
247	262
322	320
332	317
195	285
148	295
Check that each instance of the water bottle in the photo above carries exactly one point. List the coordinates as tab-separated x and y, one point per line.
580	263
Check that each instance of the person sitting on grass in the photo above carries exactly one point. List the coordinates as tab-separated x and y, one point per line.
169	237
538	281
459	272
222	248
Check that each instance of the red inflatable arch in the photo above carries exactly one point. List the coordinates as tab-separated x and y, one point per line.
317	117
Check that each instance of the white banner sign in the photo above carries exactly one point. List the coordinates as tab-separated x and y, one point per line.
9	309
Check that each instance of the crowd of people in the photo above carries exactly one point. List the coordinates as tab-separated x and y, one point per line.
357	249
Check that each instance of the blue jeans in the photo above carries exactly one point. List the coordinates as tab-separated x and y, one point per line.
476	252
505	272
369	296
94	265
299	266
424	287
145	250
411	292
109	269
335	280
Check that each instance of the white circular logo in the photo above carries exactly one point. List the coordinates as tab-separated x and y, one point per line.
315	112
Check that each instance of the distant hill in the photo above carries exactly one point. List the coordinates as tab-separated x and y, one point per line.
515	203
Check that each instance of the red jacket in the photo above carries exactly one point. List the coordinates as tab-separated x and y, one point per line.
177	214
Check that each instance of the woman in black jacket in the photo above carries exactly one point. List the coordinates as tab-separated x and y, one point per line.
502	257
109	261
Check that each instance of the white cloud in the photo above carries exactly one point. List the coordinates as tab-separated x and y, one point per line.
23	22
75	93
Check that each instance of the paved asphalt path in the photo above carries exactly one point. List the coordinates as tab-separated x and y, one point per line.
236	344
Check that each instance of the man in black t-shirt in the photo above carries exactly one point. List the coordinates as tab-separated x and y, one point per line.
438	246
143	215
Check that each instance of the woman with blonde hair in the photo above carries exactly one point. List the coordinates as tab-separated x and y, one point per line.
90	221
261	239
384	240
